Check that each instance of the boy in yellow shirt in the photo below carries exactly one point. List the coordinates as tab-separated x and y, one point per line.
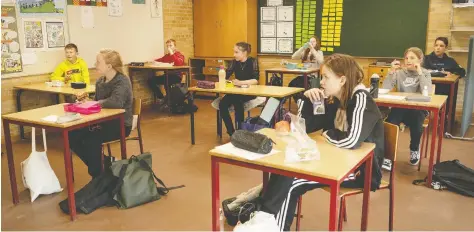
73	69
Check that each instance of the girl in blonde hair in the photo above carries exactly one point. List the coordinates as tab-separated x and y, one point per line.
113	91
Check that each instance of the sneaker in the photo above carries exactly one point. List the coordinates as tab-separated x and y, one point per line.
387	165
414	157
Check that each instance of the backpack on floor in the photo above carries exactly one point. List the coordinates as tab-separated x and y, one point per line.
178	100
453	176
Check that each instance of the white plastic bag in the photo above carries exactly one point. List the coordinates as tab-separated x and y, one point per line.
300	146
259	221
38	176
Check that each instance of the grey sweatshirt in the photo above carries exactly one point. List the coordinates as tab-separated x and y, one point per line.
315	63
408	81
116	94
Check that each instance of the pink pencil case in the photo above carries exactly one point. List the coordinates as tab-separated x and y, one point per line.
90	107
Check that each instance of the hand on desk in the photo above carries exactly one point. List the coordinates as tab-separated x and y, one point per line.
82	97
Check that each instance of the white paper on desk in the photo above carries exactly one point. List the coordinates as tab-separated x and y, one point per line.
87	17
160	64
268	29
229	148
50	118
392	97
268	45
267	14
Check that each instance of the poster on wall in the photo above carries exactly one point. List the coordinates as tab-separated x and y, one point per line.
33	30
41	6
138	1
55	34
115	8
155	7
98	3
11	58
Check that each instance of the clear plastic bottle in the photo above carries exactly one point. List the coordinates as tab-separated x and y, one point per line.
425	91
221	76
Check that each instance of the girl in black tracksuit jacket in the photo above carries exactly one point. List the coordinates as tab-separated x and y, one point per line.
351	117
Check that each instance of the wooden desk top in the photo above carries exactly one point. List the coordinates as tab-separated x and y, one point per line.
293	71
445	80
150	66
436	100
66	89
253	90
35	116
334	162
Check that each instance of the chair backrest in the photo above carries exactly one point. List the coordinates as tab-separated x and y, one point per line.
391	141
433	88
137	106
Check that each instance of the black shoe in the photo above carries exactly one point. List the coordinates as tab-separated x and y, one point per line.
108	160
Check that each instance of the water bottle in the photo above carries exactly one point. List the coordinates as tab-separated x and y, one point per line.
425	91
374	85
221	76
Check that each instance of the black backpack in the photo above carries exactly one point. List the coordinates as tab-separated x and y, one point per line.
178	94
453	176
276	80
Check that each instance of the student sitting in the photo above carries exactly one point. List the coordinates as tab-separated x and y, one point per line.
411	78
439	61
245	69
173	56
311	55
73	69
113	91
351	119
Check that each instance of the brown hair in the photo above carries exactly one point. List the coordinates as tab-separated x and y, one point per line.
418	53
71	46
308	50
113	58
444	39
345	65
171	41
244	47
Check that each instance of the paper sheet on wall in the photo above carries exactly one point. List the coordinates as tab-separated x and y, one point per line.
285	13
115	8
285	29
87	17
285	45
274	2
268	29
268	14
156	8
268	45
29	58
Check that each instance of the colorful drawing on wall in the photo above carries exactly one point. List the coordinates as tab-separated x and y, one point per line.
11	58
55	34
102	3
138	1
41	6
33	30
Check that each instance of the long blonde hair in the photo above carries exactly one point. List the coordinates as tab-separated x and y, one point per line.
113	58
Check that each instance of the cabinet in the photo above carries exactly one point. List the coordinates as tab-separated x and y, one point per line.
206	68
382	71
219	24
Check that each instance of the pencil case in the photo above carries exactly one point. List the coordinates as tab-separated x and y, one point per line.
90	107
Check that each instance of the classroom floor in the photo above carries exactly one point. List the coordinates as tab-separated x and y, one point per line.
177	162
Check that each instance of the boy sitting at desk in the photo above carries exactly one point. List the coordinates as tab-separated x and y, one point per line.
173	57
73	69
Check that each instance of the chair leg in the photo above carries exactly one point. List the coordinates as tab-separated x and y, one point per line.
427	132
422	147
140	142
109	150
341	209
344	211
298	213
248	114
391	210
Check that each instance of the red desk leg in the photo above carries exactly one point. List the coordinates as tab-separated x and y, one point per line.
441	132
11	162
333	206
367	185
434	133
68	165
123	146
215	194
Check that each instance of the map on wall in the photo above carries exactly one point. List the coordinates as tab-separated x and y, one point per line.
11	58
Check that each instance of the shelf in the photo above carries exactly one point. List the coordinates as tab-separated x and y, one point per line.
462	5
463	29
459	50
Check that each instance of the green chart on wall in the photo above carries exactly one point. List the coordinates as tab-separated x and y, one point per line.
364	28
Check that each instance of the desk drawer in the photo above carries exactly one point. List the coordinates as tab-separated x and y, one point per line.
209	70
215	63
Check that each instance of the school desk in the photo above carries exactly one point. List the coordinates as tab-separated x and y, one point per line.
253	90
453	82
42	87
436	106
33	118
334	165
281	71
154	68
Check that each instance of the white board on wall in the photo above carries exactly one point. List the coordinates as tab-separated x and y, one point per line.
135	35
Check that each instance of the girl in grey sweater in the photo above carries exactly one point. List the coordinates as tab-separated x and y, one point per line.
411	78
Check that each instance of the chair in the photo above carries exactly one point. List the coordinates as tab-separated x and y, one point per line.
137	110
391	143
426	131
247	107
